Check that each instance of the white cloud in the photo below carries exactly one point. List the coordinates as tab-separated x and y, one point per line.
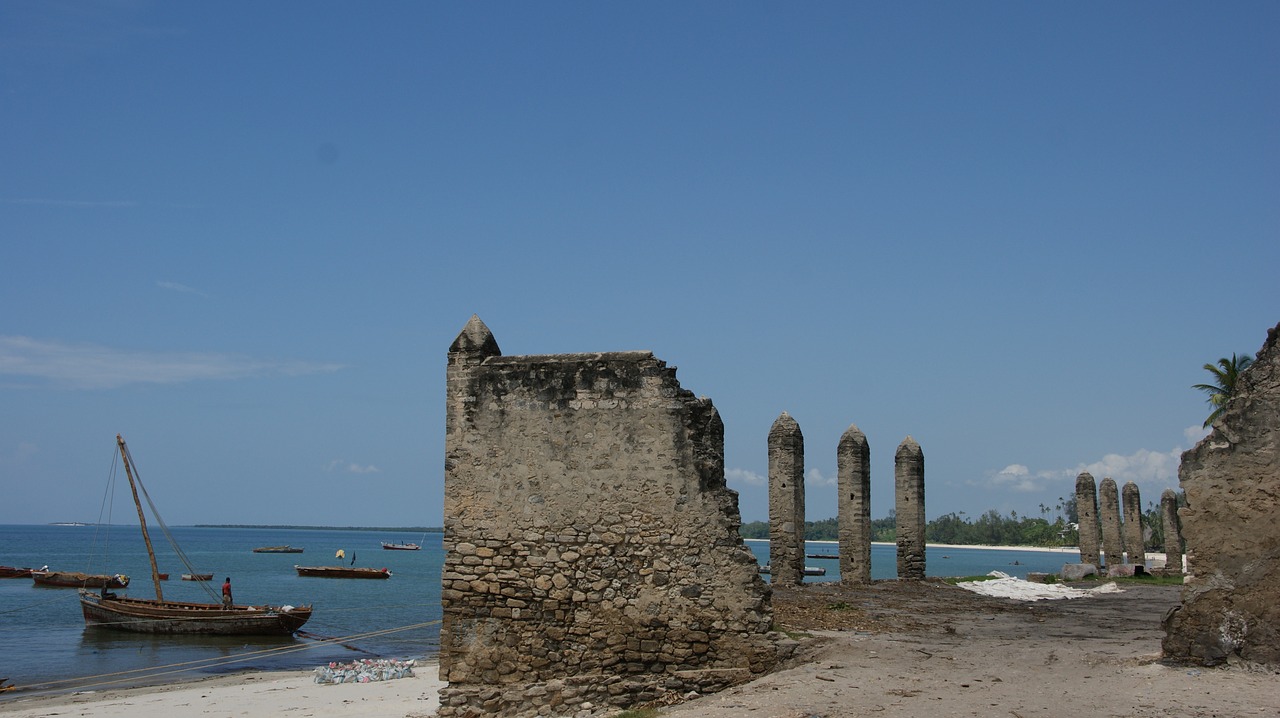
1152	471
176	287
92	366
744	478
352	467
1193	434
814	477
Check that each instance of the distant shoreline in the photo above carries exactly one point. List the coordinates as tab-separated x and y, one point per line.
294	527
985	547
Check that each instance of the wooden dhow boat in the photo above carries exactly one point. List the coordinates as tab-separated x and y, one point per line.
145	615
277	549
15	572
342	572
76	579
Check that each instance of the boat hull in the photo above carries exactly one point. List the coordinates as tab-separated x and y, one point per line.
400	546
75	579
277	549
342	572
15	572
139	615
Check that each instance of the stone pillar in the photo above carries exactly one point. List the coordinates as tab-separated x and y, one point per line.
1134	545
786	501
853	506
1087	514
1172	533
1109	510
908	479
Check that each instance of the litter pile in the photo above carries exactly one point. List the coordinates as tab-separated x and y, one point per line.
364	671
1006	586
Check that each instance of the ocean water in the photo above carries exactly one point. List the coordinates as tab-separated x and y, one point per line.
47	644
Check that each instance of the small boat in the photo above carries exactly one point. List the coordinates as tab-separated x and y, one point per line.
342	572
163	576
822	555
75	579
277	549
808	570
400	546
15	572
146	615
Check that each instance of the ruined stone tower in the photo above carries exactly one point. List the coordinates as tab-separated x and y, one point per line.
1087	512
1109	512
1172	533
786	501
908	474
853	507
1232	483
592	547
1131	503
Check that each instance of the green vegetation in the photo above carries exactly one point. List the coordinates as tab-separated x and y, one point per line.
1053	527
1225	373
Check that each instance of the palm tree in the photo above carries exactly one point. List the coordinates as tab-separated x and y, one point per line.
1224	374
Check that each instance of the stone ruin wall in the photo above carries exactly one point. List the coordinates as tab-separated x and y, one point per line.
1232	482
592	549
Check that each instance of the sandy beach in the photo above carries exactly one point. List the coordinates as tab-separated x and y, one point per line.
912	650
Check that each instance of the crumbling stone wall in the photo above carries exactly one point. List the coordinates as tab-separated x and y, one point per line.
908	474
592	548
853	506
786	501
1232	483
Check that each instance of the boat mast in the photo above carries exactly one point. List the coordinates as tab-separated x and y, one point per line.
142	519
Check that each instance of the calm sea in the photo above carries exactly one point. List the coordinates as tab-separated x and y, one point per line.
47	644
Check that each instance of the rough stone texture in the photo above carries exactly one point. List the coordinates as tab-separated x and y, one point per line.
786	502
1078	571
1172	533
1109	513
908	475
853	507
1232	483
1087	512
1131	503
592	548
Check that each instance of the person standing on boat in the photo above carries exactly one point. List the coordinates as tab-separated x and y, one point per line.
226	593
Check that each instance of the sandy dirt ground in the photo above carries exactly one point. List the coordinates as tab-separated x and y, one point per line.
923	650
928	650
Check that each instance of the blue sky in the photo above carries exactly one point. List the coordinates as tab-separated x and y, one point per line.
244	235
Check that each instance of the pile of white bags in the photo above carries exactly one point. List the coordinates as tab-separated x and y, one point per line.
364	671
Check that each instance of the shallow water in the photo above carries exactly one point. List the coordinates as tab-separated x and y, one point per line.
45	638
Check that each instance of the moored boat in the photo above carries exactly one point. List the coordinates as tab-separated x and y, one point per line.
15	572
400	546
145	615
76	579
277	549
342	572
808	570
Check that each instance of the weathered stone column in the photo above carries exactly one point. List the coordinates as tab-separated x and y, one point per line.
1109	510
908	478
786	501
1172	533
853	506
1134	545
1087	514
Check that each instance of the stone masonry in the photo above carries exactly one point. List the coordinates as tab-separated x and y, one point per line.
908	474
592	552
786	502
1172	533
1232	483
1109	512
1131	503
1087	513
853	506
